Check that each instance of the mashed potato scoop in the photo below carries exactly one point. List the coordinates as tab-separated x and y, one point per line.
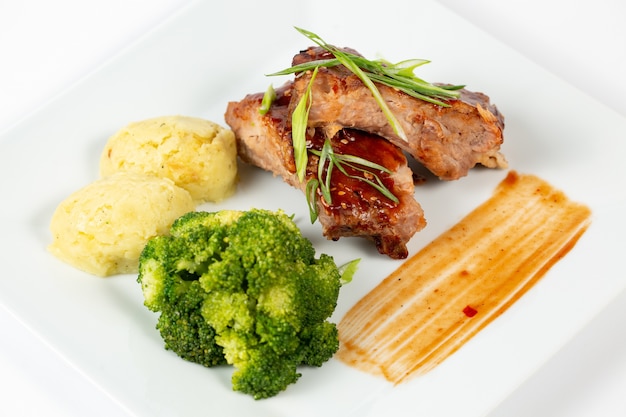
198	155
103	227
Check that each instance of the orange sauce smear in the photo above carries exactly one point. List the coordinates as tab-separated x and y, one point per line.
454	287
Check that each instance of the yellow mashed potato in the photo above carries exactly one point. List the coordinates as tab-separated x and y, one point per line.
198	155
103	227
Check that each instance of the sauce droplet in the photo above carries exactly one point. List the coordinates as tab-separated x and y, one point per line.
469	311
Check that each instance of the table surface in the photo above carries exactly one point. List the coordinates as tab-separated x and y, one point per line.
581	43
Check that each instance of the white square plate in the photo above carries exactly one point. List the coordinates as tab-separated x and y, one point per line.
207	55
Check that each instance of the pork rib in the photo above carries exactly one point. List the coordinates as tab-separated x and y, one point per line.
448	141
356	209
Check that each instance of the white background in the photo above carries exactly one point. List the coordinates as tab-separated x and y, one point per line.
46	46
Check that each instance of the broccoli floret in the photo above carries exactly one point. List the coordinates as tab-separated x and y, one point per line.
264	373
185	331
243	288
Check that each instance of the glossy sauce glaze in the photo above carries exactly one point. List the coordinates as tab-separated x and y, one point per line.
443	295
348	191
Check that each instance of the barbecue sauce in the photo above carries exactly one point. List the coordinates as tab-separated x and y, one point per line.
348	190
458	284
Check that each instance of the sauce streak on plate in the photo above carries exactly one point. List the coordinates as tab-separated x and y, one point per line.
438	299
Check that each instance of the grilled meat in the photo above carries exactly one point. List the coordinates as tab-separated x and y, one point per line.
356	209
448	141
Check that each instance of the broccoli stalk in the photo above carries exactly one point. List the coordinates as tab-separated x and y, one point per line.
243	288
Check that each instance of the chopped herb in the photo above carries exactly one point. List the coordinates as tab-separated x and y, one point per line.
268	99
400	76
299	124
347	270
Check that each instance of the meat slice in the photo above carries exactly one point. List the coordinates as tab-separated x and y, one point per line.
448	141
356	209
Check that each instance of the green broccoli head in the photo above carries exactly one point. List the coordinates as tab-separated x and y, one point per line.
243	288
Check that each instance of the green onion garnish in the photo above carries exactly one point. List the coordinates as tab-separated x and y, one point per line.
399	76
